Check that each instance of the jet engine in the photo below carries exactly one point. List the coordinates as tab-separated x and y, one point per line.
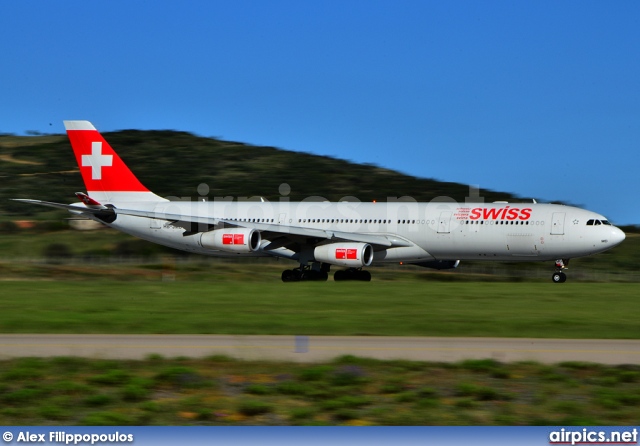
241	240
354	255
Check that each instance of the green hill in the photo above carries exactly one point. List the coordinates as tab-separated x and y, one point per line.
174	163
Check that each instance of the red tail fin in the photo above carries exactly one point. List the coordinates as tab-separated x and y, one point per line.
105	175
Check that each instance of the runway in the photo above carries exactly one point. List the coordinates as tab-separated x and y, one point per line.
320	348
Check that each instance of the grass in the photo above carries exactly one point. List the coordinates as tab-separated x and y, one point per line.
158	391
407	308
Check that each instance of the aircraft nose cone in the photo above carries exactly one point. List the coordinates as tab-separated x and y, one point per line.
617	236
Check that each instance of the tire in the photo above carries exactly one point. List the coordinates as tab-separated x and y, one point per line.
559	277
339	276
364	276
288	276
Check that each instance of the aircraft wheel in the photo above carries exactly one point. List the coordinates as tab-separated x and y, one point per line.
364	276
288	276
339	275
559	277
309	275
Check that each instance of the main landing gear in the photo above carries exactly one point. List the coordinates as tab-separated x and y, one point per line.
352	274
559	276
306	273
303	273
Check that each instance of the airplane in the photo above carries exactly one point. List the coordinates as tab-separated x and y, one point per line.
320	234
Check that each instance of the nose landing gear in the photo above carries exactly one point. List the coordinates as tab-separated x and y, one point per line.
559	276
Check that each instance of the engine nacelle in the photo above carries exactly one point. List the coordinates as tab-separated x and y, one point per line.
241	240
355	255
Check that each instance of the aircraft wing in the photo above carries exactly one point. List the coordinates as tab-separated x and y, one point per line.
293	232
326	234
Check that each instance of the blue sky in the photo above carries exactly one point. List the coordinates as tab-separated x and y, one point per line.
539	98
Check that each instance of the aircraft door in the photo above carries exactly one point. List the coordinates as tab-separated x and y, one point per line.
557	223
444	222
282	219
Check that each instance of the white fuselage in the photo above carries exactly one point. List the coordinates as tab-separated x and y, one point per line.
432	231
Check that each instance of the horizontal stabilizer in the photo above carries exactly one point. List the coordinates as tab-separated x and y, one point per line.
77	208
89	202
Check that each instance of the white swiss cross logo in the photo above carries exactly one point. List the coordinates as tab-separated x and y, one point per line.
96	160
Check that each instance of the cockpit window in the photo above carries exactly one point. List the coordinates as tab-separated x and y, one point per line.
594	222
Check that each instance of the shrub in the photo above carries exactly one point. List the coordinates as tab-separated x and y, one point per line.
302	413
314	373
111	378
391	388
482	393
346	414
107	419
345	402
52	412
70	388
22	396
258	389
348	375
135	392
406	397
427	392
292	388
180	376
98	400
57	251
252	408
8	227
